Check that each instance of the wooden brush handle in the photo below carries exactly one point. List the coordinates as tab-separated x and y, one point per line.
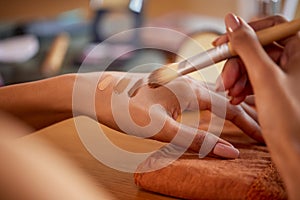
275	33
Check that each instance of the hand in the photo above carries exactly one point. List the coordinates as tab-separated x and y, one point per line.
275	83
234	74
160	107
45	102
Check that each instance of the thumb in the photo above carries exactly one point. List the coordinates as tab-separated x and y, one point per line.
244	42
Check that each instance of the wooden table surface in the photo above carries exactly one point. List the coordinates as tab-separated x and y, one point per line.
119	184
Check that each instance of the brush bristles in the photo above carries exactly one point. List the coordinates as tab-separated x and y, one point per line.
162	76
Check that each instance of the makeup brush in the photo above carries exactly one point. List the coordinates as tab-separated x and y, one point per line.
170	72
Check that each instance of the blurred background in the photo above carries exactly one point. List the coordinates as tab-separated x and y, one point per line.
43	38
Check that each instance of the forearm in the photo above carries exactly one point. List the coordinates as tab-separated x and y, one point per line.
282	132
283	145
285	155
39	103
42	103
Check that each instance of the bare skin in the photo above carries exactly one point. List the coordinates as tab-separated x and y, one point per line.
272	74
45	102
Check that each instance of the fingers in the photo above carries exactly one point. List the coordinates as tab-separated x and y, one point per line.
291	55
197	140
274	51
245	120
266	22
260	67
220	40
237	100
239	86
234	78
230	74
250	111
240	95
219	105
256	25
234	74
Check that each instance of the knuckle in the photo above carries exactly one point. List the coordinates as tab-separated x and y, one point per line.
235	113
243	35
198	140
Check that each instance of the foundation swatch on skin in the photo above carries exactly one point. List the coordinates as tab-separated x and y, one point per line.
137	85
103	84
121	85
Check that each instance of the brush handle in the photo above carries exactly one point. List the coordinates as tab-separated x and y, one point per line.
274	33
225	51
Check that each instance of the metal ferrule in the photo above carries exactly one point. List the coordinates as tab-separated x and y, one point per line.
204	59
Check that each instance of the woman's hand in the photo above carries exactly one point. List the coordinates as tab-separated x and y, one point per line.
149	113
234	76
275	82
153	113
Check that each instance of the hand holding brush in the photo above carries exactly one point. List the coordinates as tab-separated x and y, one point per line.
266	36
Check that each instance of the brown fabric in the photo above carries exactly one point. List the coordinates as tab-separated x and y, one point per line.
251	176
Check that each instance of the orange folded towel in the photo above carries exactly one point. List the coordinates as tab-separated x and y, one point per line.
251	176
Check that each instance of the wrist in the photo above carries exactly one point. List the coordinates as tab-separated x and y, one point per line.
91	100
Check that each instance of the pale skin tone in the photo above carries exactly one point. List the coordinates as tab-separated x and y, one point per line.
272	74
275	85
45	102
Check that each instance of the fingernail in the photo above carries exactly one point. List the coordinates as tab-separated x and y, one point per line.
121	85
219	85
134	89
232	22
226	151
